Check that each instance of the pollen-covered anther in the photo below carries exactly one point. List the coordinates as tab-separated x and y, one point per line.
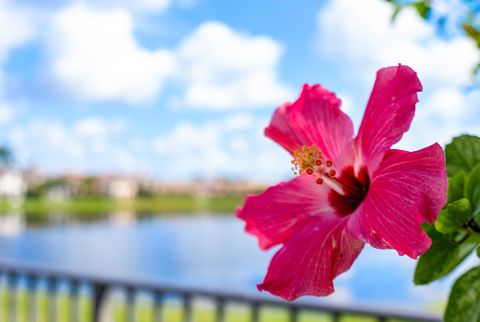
309	160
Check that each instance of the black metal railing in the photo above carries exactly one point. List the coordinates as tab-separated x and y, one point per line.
40	294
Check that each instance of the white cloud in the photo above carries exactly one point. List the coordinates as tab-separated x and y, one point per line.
231	146
96	57
51	135
138	5
240	121
444	113
360	44
217	148
369	41
7	112
192	150
16	28
224	69
448	102
95	127
87	145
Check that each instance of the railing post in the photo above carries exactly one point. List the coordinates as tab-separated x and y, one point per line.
32	298
293	313
52	298
101	288
74	301
255	313
12	297
130	309
187	308
99	291
158	307
220	314
336	317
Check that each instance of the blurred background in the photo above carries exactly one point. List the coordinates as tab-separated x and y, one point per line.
131	130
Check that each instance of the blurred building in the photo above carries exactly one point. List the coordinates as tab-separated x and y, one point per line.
122	188
12	184
209	188
59	192
71	185
33	177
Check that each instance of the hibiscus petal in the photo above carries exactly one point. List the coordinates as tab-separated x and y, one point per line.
407	189
314	119
273	215
311	259
389	112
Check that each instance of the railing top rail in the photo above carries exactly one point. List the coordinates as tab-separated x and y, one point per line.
40	271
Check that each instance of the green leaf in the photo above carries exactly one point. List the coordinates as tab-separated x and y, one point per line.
456	185
431	231
459	236
461	210
472	189
445	223
442	258
464	302
395	13
463	153
454	216
423	9
472	31
476	69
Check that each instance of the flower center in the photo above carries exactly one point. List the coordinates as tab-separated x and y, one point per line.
355	189
348	189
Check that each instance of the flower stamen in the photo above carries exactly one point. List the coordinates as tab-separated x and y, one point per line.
309	160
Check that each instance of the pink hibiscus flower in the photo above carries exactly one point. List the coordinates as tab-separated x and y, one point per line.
349	191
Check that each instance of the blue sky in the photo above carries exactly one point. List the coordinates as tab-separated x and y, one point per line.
182	89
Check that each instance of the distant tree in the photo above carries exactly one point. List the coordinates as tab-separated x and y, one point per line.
42	189
449	17
144	192
89	187
6	156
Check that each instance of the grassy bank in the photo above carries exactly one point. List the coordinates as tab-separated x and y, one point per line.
93	207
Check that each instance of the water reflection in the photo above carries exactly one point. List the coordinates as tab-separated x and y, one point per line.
122	218
200	250
12	224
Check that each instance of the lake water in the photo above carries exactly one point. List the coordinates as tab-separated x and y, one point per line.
205	251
